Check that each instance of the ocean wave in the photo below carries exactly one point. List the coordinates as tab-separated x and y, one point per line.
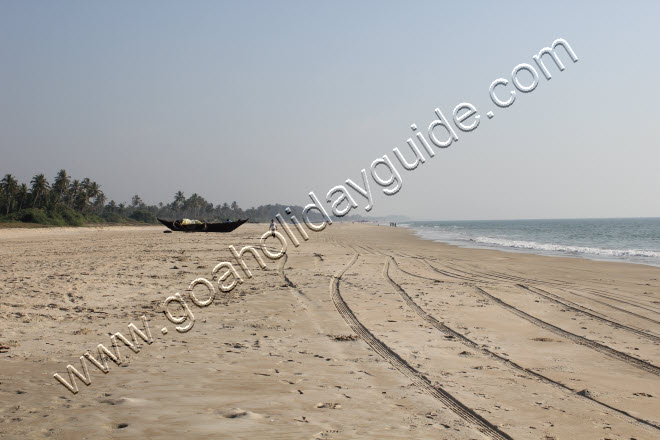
440	227
532	245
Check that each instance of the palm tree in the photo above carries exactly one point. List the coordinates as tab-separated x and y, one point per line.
179	200
93	191
194	205
74	189
61	184
9	188
84	184
40	188
99	200
81	201
136	201
112	206
22	196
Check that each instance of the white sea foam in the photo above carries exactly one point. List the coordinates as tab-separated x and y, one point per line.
532	245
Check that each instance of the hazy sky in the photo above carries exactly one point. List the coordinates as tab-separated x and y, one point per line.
263	102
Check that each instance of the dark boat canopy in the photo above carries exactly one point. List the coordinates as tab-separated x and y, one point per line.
197	226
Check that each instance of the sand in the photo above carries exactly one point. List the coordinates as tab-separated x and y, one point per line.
362	332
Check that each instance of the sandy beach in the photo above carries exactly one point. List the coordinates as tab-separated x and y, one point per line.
362	332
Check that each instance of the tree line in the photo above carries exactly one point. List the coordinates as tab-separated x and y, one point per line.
69	201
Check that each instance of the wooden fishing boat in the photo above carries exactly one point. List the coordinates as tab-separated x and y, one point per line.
181	226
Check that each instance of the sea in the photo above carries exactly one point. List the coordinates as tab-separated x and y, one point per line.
632	240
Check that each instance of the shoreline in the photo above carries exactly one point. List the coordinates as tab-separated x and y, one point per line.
531	252
512	254
531	246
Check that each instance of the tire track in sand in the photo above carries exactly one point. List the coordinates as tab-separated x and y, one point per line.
587	311
566	286
467	414
444	329
580	340
470	277
302	299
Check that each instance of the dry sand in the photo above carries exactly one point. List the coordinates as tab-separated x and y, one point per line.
362	332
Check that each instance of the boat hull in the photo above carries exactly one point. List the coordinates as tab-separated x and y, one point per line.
175	225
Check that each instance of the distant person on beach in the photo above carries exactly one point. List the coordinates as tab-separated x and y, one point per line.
273	227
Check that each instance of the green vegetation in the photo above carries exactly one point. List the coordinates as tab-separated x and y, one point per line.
72	202
64	203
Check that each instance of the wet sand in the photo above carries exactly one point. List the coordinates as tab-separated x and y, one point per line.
362	332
